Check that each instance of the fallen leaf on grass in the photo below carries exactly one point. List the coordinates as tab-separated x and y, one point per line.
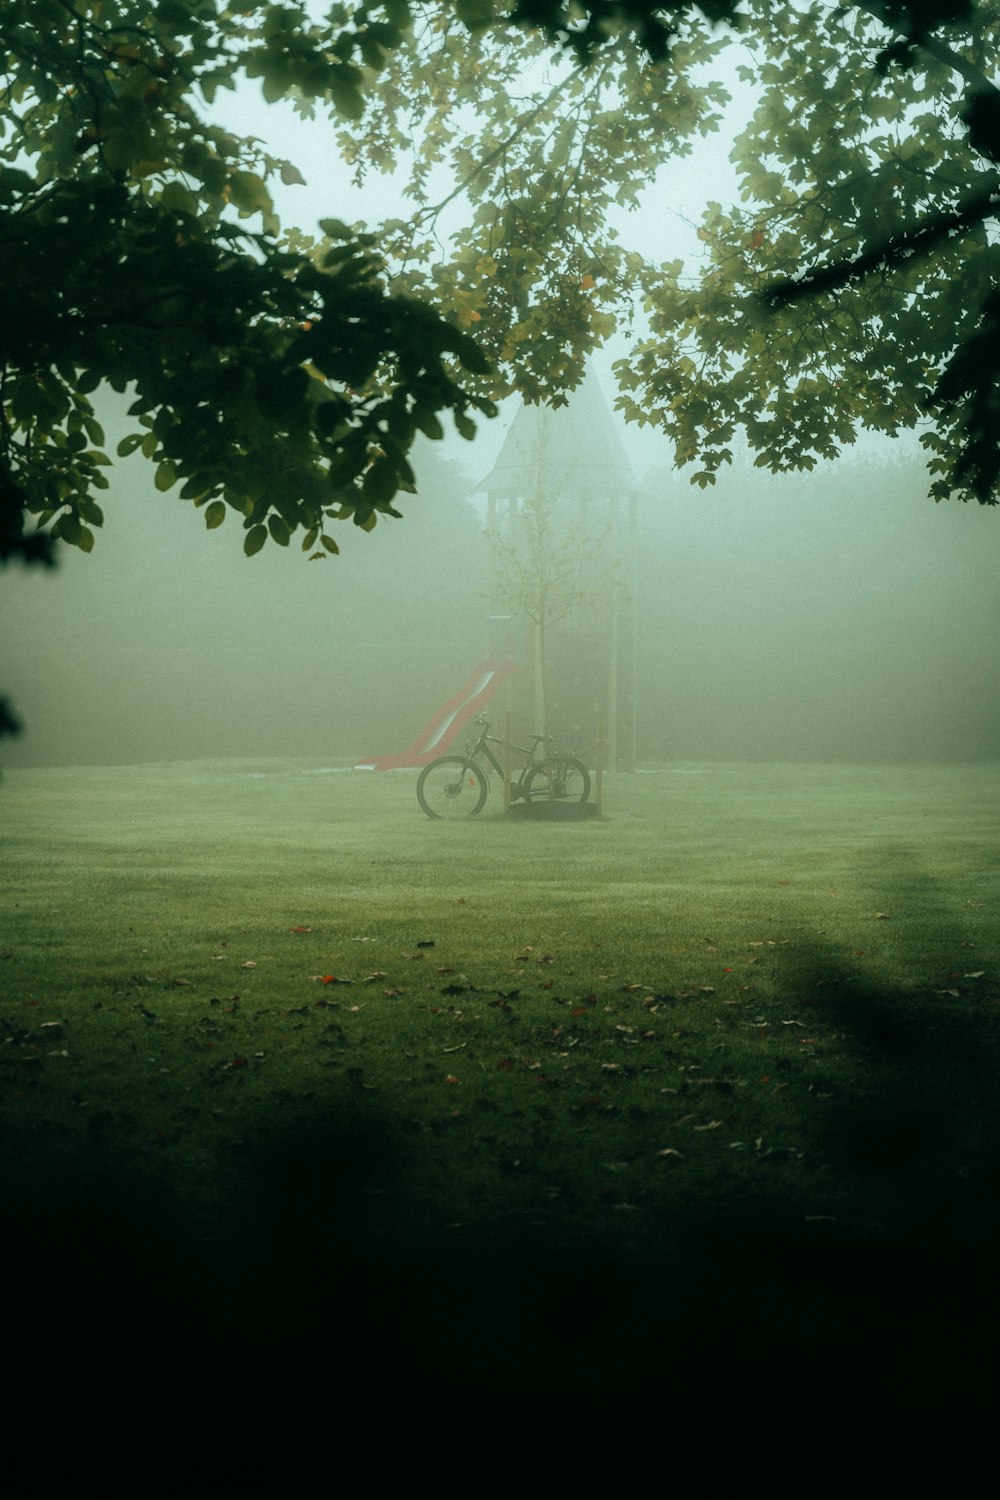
393	994
976	974
235	1062
669	1151
300	929
712	1125
376	974
249	964
882	916
330	979
451	1078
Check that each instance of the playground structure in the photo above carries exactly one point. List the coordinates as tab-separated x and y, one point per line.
562	521
444	727
562	517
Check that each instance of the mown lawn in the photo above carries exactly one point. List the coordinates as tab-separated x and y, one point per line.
263	1016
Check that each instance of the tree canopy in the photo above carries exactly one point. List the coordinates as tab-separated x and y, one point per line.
282	380
856	285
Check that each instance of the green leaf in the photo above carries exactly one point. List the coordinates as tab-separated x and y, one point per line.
67	527
196	489
254	540
166	476
215	514
179	199
475	14
248	193
380	482
428	423
279	530
330	544
346	97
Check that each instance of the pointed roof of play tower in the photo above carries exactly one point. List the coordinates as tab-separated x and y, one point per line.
570	450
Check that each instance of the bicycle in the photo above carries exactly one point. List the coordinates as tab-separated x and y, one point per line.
456	786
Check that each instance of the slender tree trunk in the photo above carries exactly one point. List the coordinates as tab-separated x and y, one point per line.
612	763
539	677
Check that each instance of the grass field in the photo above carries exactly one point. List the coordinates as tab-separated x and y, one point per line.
741	1035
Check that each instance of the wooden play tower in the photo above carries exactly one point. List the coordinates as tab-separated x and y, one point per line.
562	521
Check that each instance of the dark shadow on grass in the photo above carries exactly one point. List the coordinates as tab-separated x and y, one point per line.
312	1319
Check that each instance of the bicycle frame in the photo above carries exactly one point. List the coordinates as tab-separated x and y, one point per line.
458	785
482	748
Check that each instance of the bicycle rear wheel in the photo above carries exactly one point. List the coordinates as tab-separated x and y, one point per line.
559	776
452	787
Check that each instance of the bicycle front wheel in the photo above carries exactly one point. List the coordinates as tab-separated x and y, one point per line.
452	787
559	776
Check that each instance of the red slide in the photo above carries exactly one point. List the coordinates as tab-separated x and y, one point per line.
449	720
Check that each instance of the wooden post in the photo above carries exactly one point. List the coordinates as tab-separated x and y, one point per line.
633	545
612	750
599	772
539	667
506	761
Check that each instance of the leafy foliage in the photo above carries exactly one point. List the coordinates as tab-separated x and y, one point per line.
284	381
282	385
852	289
856	285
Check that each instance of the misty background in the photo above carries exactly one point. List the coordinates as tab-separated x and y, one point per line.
838	615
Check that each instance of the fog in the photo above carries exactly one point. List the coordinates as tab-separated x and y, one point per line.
833	616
